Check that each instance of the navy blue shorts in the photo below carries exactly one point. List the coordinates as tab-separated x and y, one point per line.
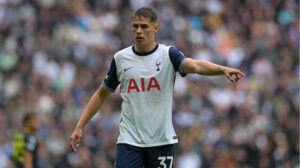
129	156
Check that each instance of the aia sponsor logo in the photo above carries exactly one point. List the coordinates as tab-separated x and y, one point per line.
152	84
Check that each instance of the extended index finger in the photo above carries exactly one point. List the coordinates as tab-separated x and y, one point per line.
235	72
241	73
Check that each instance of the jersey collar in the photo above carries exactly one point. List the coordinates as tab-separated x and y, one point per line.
146	53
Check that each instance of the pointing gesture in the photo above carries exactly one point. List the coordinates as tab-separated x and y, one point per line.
233	74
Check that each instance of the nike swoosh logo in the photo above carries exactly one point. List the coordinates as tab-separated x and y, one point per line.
126	69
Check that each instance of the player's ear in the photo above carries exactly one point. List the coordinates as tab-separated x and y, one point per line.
156	26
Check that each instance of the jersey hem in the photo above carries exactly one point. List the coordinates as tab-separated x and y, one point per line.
107	88
147	145
181	68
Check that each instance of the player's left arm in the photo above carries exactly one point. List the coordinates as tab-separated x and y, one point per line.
28	159
208	68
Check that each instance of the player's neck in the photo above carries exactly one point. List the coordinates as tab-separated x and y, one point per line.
145	48
29	129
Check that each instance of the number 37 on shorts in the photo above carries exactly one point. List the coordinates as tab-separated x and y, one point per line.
165	161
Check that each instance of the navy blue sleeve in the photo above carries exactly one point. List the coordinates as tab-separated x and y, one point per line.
177	59
111	82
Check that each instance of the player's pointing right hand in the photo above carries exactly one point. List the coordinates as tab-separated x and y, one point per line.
76	136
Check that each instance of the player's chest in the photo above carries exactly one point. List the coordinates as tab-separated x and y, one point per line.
137	67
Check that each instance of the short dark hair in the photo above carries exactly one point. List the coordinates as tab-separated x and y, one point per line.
146	12
28	116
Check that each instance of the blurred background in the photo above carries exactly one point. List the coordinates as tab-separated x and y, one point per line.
55	54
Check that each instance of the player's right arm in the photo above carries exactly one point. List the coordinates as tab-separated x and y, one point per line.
94	104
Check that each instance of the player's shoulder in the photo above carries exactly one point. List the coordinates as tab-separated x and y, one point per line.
30	135
164	46
171	49
124	51
31	138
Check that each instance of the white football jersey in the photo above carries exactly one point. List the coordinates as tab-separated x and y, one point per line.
146	86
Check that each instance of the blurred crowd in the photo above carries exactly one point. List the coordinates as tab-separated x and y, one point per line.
55	54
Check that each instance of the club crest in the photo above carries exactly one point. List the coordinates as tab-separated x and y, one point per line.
157	64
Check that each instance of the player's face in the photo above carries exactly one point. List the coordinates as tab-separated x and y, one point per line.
34	123
143	30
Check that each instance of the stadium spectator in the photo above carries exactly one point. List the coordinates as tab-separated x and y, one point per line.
25	144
